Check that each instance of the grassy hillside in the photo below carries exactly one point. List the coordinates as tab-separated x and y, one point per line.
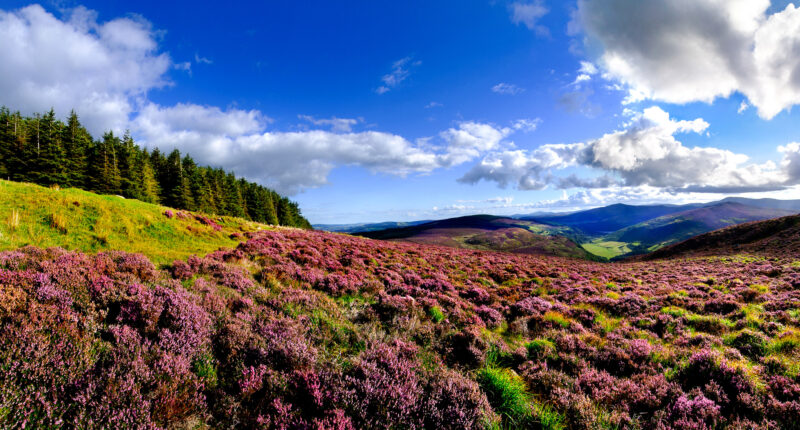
659	232
773	237
80	220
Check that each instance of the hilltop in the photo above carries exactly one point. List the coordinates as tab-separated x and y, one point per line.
79	220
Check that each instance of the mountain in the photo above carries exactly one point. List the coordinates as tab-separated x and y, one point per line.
658	232
362	227
790	205
774	237
608	219
488	232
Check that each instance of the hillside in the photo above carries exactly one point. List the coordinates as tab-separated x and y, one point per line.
298	329
79	220
656	233
774	237
487	232
608	219
44	150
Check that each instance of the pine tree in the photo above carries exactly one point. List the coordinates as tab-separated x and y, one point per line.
77	145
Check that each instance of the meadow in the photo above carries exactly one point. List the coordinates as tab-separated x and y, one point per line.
299	329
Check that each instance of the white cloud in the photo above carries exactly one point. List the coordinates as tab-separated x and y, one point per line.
743	107
288	161
644	153
294	161
344	125
401	70
526	125
98	69
507	89
470	140
432	105
528	14
588	68
201	60
682	51
185	66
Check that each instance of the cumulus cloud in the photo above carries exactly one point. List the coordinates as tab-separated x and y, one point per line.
682	51
288	161
98	69
644	153
293	161
529	14
470	140
507	89
401	70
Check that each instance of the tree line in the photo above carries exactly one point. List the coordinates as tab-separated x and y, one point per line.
45	150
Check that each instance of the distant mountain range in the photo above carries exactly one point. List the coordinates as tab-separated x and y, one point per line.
487	232
611	232
362	227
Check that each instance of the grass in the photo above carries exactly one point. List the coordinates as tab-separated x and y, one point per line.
436	314
606	249
508	395
84	221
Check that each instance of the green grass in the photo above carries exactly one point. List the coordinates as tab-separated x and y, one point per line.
508	396
436	314
84	221
606	249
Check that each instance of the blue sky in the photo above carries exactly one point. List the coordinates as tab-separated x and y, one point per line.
375	110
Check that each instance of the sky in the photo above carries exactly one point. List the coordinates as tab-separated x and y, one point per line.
367	111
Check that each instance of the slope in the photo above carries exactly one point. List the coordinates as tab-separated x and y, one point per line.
80	220
774	237
656	233
610	218
488	232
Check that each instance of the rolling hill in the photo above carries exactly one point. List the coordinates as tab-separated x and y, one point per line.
774	237
487	232
608	219
665	230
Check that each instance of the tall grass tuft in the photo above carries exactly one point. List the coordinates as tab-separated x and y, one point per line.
13	220
58	222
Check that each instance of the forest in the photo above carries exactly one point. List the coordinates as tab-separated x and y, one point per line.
45	150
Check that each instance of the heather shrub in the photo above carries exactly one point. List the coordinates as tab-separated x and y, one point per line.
297	329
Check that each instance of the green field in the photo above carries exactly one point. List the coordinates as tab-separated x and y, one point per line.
80	220
606	249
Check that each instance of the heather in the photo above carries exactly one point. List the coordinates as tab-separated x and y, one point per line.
296	329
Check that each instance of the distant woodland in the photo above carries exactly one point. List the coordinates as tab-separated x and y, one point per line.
47	151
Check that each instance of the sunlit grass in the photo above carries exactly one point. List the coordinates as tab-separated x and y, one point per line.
79	220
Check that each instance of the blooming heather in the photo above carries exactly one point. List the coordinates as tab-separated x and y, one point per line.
307	330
